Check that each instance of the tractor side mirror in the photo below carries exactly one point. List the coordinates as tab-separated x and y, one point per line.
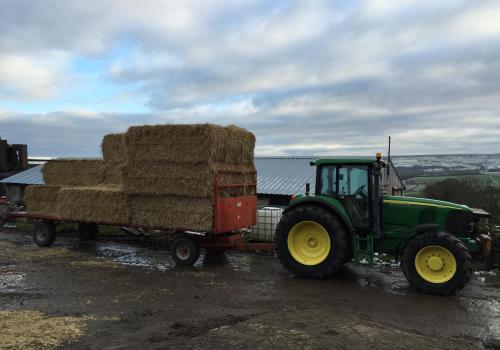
308	188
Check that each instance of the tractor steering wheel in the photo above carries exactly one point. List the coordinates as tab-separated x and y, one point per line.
360	192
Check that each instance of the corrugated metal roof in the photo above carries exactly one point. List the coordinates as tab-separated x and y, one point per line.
32	176
284	175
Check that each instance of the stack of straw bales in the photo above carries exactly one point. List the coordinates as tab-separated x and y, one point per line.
152	176
171	170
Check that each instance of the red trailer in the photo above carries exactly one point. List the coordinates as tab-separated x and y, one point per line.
230	215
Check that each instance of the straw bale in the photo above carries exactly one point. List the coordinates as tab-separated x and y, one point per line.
190	143
42	198
113	148
172	212
183	178
73	172
112	174
100	204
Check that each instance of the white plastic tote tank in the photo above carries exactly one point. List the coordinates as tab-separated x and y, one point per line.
267	219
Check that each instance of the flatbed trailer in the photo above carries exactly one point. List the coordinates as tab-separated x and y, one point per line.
230	215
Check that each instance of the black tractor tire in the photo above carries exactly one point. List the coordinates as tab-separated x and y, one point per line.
337	232
44	233
88	232
185	251
459	251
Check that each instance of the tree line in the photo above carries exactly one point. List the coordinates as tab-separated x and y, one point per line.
469	191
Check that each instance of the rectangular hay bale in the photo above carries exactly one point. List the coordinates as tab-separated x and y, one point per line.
99	204
172	212
74	172
190	143
195	180
43	198
112	174
113	148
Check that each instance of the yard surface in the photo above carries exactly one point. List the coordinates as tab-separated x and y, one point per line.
117	295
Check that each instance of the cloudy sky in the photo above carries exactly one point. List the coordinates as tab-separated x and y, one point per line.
307	77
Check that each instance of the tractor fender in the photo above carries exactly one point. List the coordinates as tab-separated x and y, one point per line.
416	231
325	204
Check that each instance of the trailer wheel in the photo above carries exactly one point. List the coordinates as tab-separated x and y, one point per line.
185	251
44	233
88	231
436	263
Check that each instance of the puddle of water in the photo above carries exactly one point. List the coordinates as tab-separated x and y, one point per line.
145	257
493	321
134	256
161	260
239	262
10	282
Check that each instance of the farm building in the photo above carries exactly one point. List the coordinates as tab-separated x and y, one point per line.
14	186
13	157
278	178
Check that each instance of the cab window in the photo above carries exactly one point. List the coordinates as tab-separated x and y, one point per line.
353	180
328	180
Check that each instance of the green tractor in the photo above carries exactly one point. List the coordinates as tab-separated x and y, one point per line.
348	218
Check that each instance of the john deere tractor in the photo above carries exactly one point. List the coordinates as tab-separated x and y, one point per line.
348	218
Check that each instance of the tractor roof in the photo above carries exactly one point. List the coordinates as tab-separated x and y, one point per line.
344	160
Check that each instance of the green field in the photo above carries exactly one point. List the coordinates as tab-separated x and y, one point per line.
416	185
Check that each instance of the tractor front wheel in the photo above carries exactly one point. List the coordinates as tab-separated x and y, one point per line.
311	242
436	263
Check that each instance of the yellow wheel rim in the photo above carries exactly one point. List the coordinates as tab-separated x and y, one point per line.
309	243
435	264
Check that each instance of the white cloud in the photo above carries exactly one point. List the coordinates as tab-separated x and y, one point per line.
478	22
29	77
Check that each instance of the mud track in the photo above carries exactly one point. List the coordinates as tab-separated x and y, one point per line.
132	296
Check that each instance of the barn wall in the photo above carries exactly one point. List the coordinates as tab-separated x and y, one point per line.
392	184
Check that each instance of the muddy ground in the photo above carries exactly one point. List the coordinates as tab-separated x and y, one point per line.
132	296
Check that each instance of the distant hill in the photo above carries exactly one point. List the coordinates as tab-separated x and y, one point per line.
419	171
446	165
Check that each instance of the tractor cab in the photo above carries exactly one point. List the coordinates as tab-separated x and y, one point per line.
355	184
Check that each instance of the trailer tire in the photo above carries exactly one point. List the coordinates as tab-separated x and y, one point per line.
44	233
318	248
436	263
88	232
185	251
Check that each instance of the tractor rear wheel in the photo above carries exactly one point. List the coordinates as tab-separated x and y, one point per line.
312	242
436	263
